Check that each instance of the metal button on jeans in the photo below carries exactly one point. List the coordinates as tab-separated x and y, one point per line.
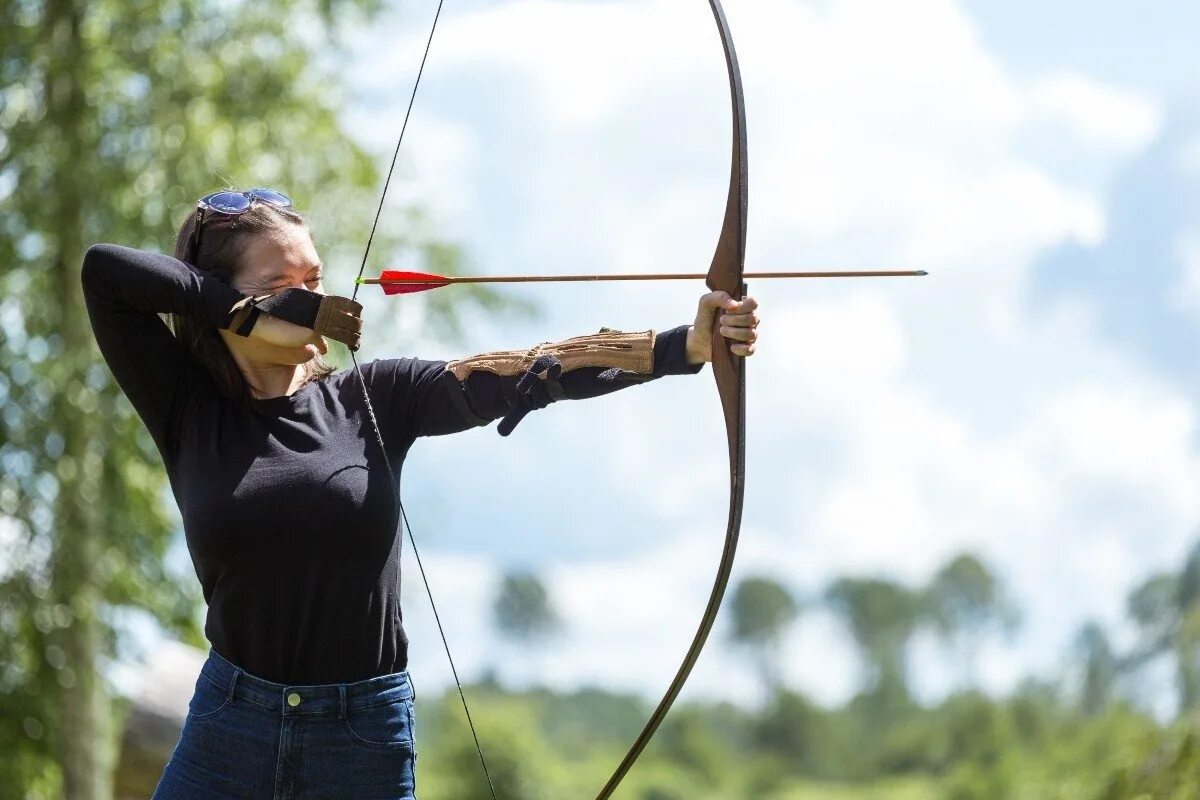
293	699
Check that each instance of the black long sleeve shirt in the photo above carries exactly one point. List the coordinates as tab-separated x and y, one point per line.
287	509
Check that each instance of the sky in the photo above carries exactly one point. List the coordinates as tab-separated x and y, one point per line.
1031	401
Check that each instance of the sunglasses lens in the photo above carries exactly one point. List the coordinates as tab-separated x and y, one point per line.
271	196
228	202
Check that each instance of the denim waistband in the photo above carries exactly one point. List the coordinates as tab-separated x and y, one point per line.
325	698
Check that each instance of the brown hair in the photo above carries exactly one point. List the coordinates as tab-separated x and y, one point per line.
223	241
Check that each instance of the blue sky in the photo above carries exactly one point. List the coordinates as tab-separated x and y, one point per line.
1031	401
1149	47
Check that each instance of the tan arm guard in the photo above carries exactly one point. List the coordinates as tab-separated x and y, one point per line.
631	352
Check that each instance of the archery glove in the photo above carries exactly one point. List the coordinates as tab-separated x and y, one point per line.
337	318
537	388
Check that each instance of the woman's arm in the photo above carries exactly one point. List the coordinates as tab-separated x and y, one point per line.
433	398
577	369
125	290
430	398
588	366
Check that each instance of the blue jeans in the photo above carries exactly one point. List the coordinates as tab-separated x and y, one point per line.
251	739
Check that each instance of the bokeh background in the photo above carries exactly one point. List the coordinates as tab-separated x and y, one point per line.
970	561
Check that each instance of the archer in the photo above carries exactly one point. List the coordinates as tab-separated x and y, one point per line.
291	524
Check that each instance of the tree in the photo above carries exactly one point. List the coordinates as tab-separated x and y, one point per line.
114	117
1166	610
882	616
965	603
762	611
522	608
1100	668
1187	644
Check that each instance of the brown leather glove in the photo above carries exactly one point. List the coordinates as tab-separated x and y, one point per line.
331	316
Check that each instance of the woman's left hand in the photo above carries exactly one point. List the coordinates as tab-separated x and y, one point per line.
737	320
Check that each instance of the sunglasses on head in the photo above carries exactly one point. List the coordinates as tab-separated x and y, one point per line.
233	203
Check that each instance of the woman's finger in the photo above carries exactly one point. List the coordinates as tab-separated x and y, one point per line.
742	349
748	320
739	334
714	301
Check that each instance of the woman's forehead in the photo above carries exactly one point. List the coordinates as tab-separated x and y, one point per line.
283	253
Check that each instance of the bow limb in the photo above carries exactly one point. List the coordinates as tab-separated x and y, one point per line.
725	274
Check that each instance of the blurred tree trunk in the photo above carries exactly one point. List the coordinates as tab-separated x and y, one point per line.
1187	660
84	741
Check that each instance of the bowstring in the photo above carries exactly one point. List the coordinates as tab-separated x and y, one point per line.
375	425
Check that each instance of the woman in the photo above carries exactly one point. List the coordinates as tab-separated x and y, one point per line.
290	522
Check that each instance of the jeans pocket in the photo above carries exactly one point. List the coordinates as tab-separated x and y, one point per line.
208	700
387	725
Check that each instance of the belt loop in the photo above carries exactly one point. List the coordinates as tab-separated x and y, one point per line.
412	687
233	681
341	701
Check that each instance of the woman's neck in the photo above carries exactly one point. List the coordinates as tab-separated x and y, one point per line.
272	380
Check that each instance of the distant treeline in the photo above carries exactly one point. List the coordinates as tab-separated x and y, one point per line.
1086	735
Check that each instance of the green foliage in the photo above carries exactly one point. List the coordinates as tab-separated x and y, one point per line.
516	745
1033	746
797	737
1165	768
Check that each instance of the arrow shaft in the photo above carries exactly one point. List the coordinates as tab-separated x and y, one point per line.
643	277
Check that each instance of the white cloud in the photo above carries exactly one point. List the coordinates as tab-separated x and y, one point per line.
1138	436
1099	114
883	117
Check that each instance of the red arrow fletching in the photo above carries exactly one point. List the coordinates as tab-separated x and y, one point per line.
402	282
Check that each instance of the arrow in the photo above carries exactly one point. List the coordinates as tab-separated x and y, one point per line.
403	282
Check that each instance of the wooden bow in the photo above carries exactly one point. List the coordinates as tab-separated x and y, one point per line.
725	274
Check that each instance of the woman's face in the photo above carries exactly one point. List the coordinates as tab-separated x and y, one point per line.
283	259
